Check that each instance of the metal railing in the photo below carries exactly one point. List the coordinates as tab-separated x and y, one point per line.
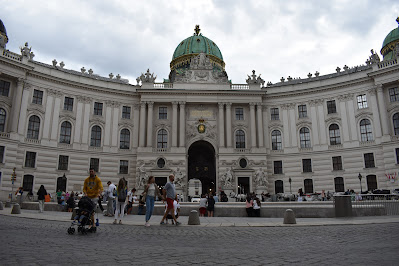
369	204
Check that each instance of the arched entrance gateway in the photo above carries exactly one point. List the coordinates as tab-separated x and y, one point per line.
202	165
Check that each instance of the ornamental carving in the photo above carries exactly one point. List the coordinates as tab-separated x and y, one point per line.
201	71
345	97
253	79
288	106
372	91
316	102
147	77
192	130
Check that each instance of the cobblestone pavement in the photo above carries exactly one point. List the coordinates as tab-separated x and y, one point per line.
41	242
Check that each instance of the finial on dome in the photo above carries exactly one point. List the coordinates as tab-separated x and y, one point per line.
197	29
397	20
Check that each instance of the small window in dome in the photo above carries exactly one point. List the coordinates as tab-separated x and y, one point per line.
181	43
213	43
198	40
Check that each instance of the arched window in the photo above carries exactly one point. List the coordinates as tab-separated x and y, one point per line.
124	142
339	184
95	136
396	124
279	186
162	139
304	137
276	140
2	120
240	139
365	130
335	136
65	134
33	127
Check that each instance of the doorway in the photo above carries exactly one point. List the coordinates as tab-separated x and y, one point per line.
201	165
243	185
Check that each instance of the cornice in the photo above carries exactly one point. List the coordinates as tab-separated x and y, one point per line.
199	92
16	64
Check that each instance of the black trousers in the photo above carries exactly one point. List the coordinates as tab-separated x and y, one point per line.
250	212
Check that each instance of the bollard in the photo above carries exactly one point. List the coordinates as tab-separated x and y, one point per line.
16	209
289	217
193	218
1	205
8	204
74	213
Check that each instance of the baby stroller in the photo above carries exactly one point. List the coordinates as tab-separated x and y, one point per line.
83	219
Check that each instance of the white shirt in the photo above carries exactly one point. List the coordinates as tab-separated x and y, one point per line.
111	189
255	205
130	196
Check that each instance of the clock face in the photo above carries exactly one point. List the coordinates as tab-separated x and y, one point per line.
201	128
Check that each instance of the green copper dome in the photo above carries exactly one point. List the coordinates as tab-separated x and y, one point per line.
389	43
192	46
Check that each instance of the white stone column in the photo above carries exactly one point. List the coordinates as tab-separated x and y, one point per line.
79	115
286	126
253	125
293	139
48	114
56	118
23	111
221	125
344	119
86	119
142	124
350	107
136	120
266	135
115	128
150	123
383	111
322	123
182	128
108	122
16	105
376	115
228	126
260	124
315	130
174	124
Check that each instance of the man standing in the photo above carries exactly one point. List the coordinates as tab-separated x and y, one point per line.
170	194
111	196
92	188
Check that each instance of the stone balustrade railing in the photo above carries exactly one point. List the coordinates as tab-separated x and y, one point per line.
34	141
239	87
367	143
4	135
163	85
387	63
160	150
12	55
242	150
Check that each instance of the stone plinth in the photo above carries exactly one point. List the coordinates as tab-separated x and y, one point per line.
16	209
193	218
8	204
289	217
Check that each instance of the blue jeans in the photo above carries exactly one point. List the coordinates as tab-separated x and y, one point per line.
149	204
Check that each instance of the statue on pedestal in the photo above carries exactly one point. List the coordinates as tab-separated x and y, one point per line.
143	176
227	178
179	178
260	178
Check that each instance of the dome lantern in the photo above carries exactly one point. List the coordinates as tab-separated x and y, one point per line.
390	43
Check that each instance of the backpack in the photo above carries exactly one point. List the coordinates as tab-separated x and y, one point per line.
122	195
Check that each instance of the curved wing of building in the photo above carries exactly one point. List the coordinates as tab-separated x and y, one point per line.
329	132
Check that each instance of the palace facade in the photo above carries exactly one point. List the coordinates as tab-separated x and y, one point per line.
325	132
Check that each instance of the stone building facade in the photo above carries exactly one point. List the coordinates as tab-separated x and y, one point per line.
317	133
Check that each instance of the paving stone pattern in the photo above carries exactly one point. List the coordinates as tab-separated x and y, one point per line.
42	242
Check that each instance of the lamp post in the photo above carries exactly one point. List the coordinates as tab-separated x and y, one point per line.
290	180
13	178
360	180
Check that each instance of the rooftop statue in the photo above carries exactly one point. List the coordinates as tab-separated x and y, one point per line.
147	77
253	79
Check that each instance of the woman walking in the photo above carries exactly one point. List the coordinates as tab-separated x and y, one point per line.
210	205
249	205
41	193
150	190
121	195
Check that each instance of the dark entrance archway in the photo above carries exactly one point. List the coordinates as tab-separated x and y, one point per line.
202	165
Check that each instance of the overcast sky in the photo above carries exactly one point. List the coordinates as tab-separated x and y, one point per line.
275	38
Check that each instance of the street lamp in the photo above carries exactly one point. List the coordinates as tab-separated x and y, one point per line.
360	180
290	180
13	178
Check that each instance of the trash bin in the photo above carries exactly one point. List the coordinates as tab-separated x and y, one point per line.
343	206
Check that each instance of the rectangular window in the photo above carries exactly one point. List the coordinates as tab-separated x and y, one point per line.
4	88
302	111
337	163
274	114
307	165
123	167
98	108
397	155
362	101
30	159
369	160
331	107
394	94
68	104
126	110
239	114
63	162
163	112
95	163
2	148
278	167
37	97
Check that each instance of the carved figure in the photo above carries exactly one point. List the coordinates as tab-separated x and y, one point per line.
260	178
27	52
143	176
227	178
179	178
